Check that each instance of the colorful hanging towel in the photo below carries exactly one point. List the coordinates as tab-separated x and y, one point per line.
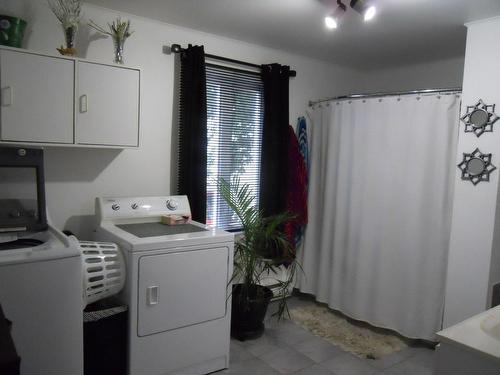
304	151
296	195
302	135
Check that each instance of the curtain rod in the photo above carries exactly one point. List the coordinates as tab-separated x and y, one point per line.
380	94
176	48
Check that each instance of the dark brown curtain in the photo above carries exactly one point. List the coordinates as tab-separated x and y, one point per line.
274	157
193	131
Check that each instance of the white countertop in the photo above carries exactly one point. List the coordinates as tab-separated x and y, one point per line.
475	334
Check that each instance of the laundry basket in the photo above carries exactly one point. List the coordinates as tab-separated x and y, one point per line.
103	270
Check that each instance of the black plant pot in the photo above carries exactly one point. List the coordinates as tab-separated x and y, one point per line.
248	311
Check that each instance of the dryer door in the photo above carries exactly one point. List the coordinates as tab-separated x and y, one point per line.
181	289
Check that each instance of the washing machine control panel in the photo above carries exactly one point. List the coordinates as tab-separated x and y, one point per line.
130	207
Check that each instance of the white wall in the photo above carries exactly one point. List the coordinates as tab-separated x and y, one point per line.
76	176
474	208
436	74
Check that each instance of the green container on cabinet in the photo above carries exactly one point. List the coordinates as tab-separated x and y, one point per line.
12	31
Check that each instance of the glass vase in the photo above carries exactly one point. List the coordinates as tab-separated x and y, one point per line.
69	38
118	45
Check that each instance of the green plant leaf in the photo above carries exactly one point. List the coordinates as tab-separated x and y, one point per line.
264	247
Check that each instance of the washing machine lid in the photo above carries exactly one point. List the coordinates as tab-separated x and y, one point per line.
54	245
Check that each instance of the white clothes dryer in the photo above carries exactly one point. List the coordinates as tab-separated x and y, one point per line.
177	285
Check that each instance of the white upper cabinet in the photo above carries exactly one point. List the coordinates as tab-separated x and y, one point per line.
52	100
107	105
36	97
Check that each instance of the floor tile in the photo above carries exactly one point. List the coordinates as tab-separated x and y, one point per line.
314	370
391	359
424	357
347	364
287	348
318	349
409	367
263	345
287	361
238	353
252	366
289	333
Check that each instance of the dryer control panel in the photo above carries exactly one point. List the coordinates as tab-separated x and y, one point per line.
133	207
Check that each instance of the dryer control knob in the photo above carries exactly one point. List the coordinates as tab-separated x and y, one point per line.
115	207
172	204
135	206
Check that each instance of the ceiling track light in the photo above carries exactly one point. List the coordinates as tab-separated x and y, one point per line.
333	19
365	8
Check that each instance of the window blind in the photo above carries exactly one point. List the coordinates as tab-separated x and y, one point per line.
234	127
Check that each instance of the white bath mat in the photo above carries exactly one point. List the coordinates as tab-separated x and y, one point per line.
357	338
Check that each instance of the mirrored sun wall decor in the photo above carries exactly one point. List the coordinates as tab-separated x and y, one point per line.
476	167
479	118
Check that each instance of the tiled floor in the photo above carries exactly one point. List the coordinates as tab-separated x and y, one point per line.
286	348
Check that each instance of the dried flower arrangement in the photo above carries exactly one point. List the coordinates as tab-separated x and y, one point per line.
68	14
119	31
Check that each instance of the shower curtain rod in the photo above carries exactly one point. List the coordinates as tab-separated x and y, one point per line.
380	94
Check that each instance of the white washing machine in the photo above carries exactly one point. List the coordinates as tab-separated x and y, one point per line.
177	286
40	271
41	293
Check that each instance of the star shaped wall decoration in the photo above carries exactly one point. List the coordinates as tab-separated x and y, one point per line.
476	167
479	118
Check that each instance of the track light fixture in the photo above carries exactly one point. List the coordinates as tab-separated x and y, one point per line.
363	7
332	20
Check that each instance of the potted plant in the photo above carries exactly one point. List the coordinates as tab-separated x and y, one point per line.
11	31
262	249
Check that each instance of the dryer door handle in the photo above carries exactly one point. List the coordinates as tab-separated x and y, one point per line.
152	295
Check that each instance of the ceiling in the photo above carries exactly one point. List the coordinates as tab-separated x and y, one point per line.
404	31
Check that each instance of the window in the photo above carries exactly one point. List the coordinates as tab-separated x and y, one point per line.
235	119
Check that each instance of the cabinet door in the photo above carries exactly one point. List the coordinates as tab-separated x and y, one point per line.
37	95
107	105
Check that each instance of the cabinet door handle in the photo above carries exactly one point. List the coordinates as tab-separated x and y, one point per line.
84	104
152	295
7	96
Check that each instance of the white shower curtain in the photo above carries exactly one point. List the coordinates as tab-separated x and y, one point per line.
380	195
